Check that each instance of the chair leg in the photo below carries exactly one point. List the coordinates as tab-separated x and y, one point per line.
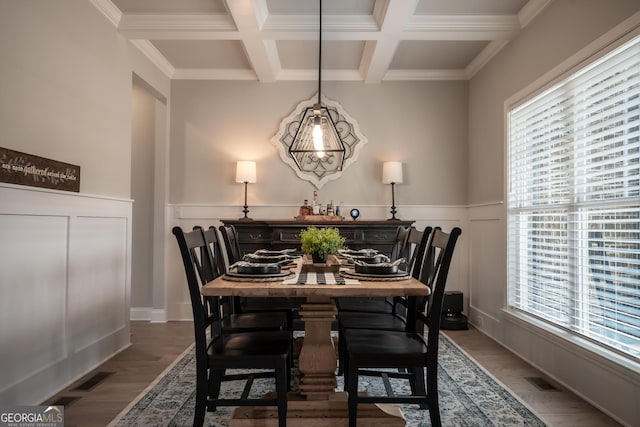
341	350
434	414
282	380
351	372
432	396
418	387
201	403
345	369
215	382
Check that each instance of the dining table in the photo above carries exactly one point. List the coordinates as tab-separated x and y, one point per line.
317	402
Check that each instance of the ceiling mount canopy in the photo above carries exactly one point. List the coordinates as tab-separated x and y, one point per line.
317	142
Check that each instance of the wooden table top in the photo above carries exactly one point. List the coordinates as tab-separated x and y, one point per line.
222	287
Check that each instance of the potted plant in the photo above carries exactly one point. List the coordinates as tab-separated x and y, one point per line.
321	242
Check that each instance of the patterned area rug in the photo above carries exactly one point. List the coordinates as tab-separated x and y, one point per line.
469	396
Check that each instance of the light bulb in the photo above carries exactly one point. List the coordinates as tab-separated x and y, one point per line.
317	139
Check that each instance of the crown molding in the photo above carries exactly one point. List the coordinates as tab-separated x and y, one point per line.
417	75
213	74
452	27
530	10
134	22
484	57
109	10
154	55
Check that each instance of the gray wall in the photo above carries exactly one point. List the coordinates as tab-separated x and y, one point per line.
60	99
142	191
422	124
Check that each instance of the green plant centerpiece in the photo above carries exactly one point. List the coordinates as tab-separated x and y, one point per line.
321	242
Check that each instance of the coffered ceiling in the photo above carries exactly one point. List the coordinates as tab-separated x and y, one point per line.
362	40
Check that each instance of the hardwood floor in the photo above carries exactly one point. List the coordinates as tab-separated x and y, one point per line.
156	345
557	407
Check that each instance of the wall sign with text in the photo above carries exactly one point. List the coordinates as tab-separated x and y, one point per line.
27	169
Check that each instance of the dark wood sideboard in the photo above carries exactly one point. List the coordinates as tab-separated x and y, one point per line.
285	234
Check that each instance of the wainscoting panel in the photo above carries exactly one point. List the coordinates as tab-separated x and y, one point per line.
97	282
487	234
33	275
64	288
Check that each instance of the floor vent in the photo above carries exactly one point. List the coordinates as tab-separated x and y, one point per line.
542	384
64	401
93	381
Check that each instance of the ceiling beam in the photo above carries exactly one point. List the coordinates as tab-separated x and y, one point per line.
261	53
393	17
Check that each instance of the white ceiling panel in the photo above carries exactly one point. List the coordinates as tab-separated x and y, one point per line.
338	55
170	6
435	54
469	7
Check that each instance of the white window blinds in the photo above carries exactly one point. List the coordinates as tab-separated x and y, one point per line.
574	202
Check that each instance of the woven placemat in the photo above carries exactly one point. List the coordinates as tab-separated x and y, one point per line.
374	279
257	279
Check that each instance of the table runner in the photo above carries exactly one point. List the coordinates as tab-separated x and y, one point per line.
319	278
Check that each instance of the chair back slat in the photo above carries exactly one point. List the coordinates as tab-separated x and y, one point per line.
217	263
400	243
418	241
231	243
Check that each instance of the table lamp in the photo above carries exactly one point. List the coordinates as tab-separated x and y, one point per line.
246	173
392	174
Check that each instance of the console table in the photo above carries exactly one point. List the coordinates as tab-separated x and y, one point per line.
284	234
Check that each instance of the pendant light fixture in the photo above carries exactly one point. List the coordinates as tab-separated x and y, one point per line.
317	144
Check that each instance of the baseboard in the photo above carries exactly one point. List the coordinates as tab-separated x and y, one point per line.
140	313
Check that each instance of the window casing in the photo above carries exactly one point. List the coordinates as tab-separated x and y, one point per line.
574	203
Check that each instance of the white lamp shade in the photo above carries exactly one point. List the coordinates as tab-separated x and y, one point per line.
246	171
392	172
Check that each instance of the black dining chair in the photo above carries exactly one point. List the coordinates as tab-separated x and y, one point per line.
288	306
375	352
213	266
378	304
396	319
265	353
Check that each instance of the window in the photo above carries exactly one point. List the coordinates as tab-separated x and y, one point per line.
574	203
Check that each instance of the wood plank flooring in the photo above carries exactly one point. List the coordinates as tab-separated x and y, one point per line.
156	345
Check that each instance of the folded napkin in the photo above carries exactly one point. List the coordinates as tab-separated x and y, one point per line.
254	264
357	251
379	264
270	252
277	259
320	278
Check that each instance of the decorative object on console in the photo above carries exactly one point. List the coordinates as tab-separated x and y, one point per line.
321	242
355	213
392	174
314	212
246	173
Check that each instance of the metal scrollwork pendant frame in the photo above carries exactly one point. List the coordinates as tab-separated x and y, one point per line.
324	169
